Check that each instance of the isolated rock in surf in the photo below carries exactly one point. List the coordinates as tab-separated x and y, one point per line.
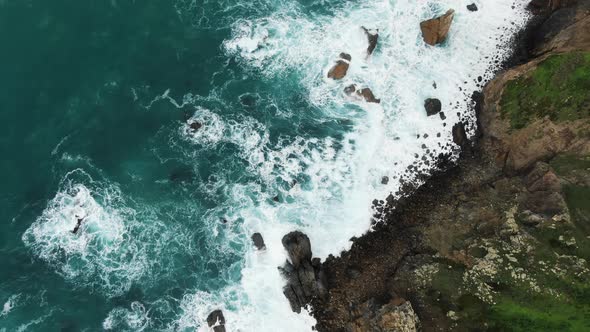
258	241
432	106
365	93
434	31
368	95
372	38
216	321
341	67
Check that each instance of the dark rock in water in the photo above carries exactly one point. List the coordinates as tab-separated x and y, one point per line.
432	106
434	84
442	115
368	95
195	125
341	67
472	7
459	135
216	320
373	38
385	180
276	198
298	248
258	241
305	278
434	31
350	89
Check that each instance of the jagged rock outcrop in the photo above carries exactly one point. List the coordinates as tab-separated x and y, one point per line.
305	279
472	7
339	70
216	321
434	31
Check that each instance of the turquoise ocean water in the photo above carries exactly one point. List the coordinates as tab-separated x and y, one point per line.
94	101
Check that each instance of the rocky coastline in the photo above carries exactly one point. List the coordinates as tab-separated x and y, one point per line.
500	241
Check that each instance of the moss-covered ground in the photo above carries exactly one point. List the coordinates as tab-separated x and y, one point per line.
559	88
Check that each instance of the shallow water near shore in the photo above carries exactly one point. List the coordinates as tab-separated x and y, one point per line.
95	97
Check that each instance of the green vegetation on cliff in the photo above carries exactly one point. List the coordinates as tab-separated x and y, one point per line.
557	88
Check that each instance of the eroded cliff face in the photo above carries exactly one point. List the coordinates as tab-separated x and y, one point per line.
501	241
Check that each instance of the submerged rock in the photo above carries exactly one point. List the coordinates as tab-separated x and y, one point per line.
349	90
216	321
434	31
339	70
472	7
258	241
373	38
305	278
195	125
432	106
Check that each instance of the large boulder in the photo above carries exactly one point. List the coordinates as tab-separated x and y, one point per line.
339	70
216	321
432	106
305	279
434	31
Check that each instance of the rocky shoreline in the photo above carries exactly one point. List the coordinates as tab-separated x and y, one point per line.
500	239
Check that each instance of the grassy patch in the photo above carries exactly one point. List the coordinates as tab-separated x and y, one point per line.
557	88
565	164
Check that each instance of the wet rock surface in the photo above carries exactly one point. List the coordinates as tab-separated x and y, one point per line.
305	279
373	38
432	106
216	320
339	70
434	31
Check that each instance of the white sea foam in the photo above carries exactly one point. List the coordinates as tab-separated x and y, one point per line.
10	304
385	140
133	319
111	249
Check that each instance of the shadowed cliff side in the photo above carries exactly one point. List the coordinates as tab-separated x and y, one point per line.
501	241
